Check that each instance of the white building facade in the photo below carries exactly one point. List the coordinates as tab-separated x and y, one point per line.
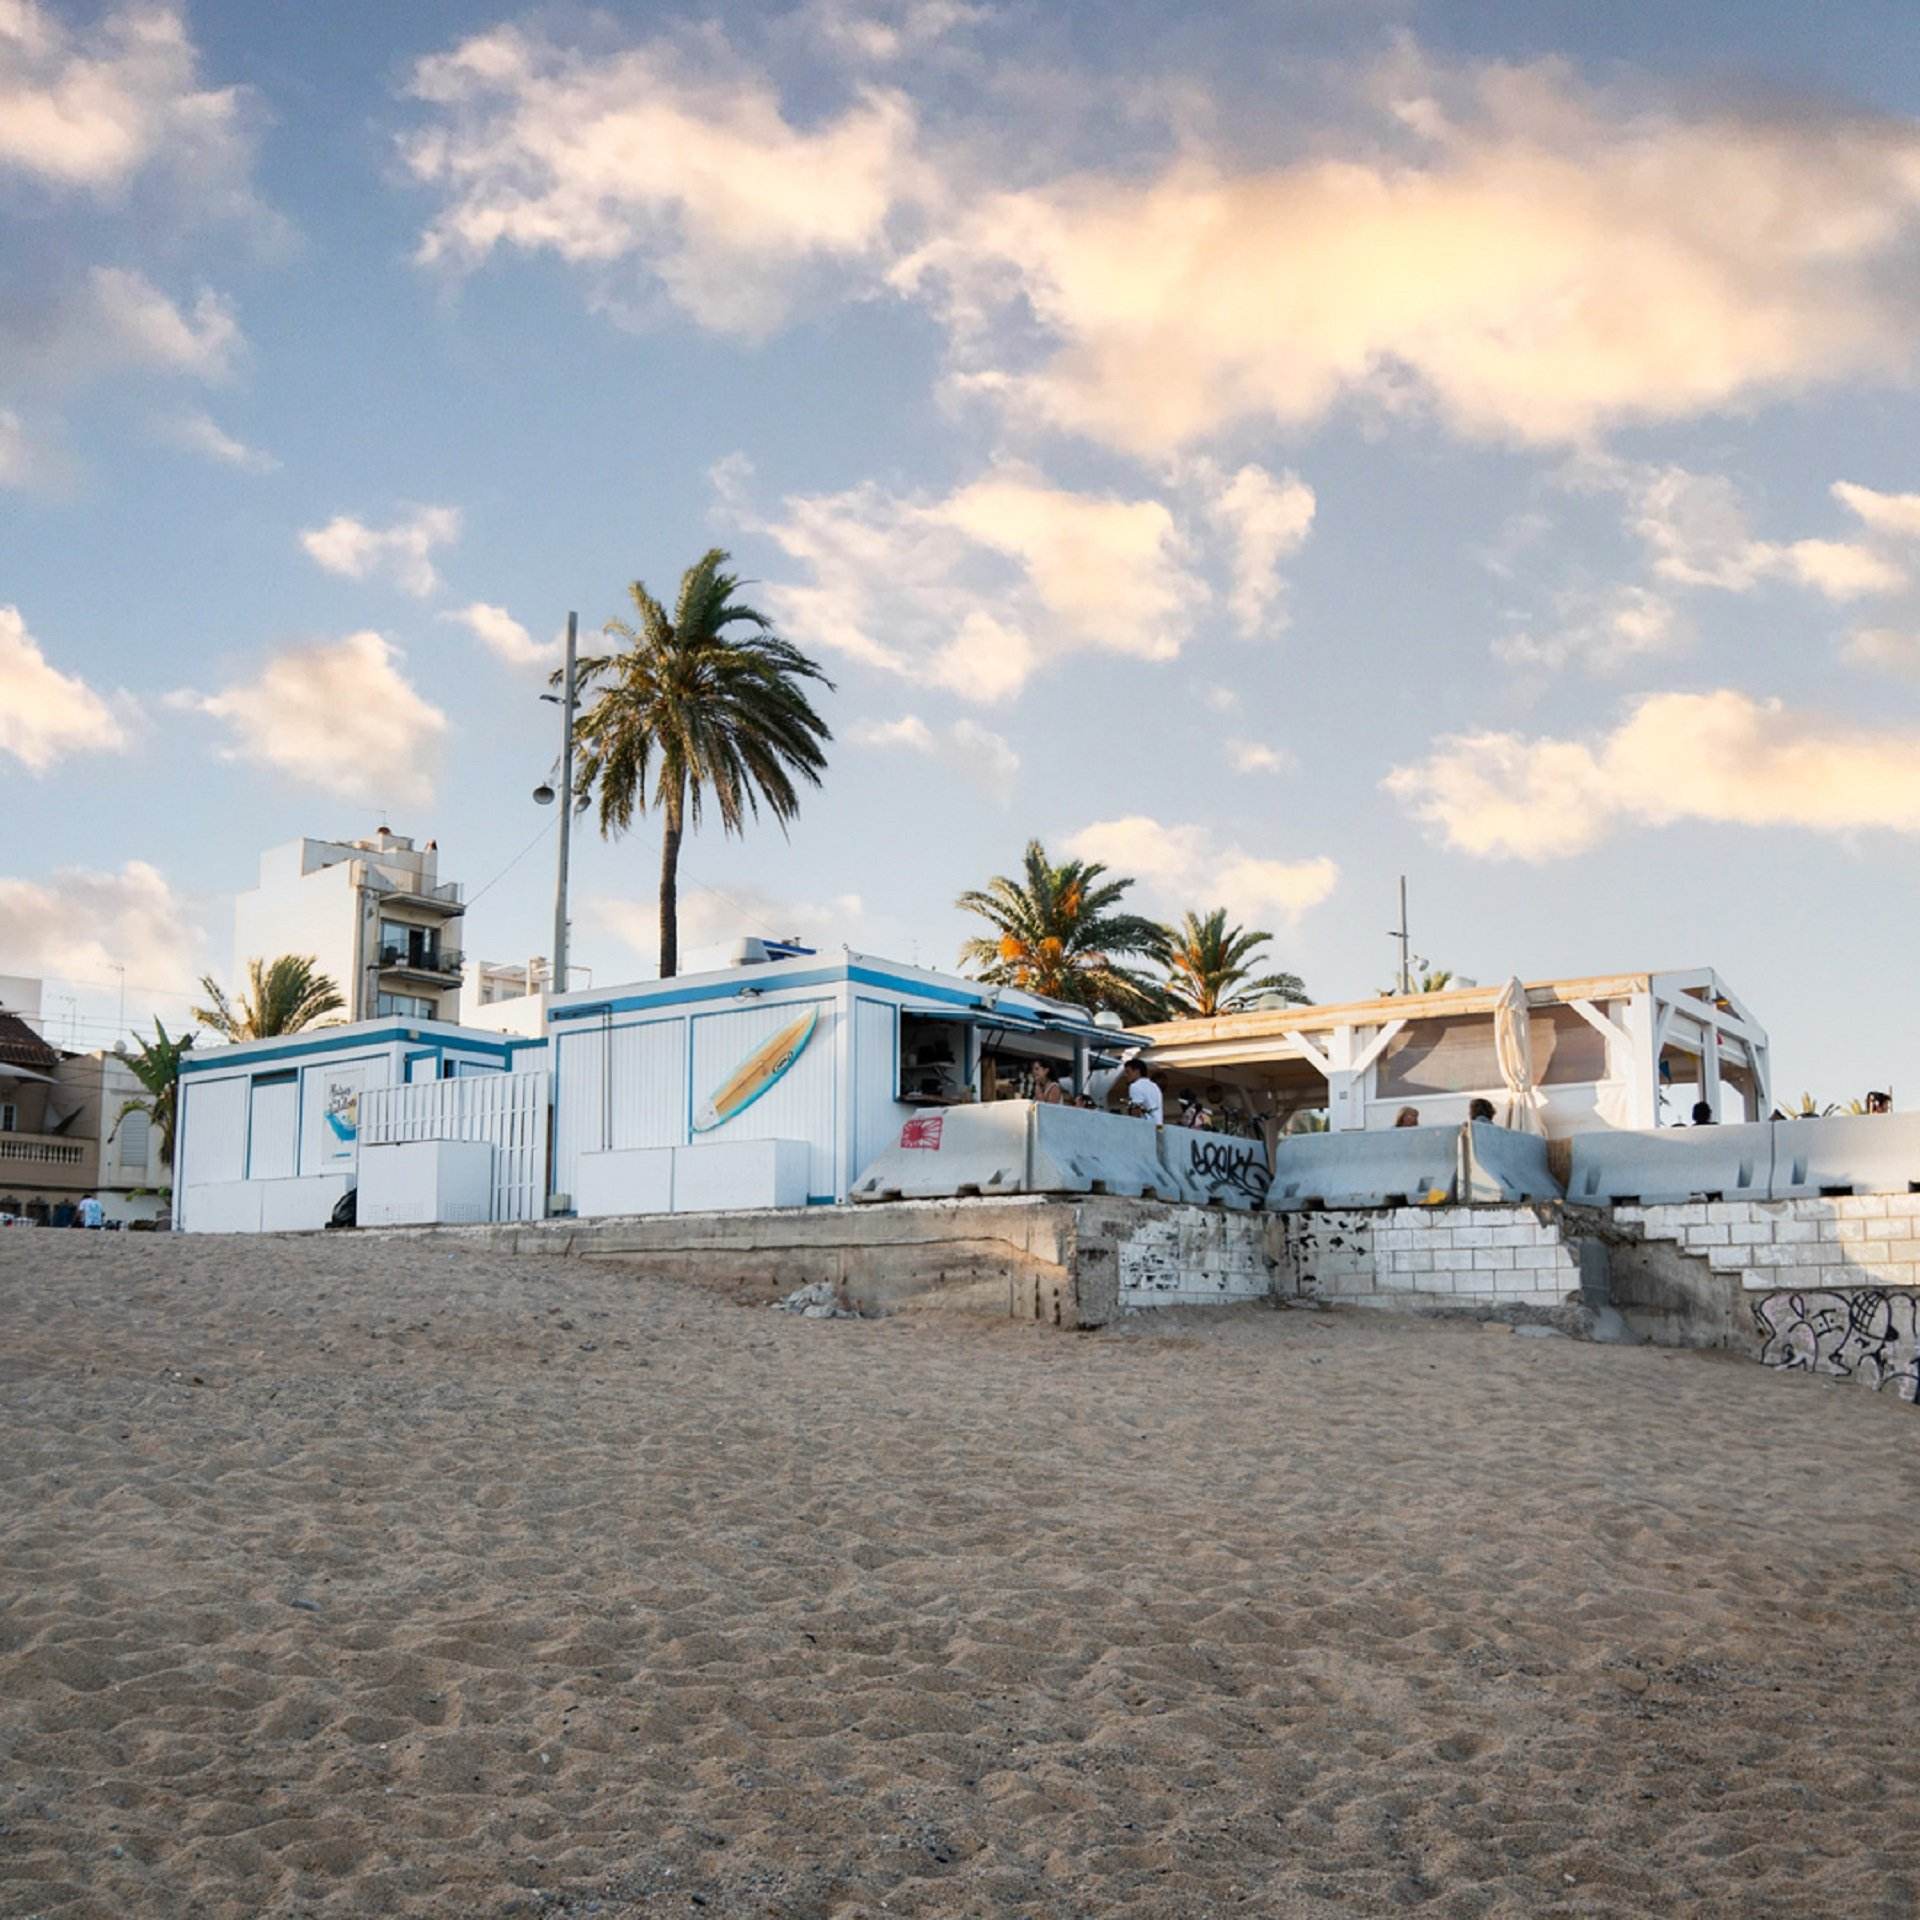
374	914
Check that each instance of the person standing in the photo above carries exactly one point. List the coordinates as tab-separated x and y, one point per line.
1046	1089
92	1213
1143	1097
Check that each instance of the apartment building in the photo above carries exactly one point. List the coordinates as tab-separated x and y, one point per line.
374	914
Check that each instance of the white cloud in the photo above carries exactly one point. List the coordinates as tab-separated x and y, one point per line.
710	922
1885	650
1718	757
1183	866
81	924
1267	517
686	165
193	430
46	714
1534	260
339	715
116	319
976	590
1253	756
1895	514
965	745
1601	631
887	30
89	109
504	637
402	551
18	456
1696	532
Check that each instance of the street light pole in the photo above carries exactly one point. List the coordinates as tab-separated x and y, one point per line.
558	984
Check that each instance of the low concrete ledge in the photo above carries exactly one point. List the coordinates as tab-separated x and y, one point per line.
1071	1262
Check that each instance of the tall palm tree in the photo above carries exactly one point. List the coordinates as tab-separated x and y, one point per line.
1056	933
700	712
283	996
157	1067
1210	968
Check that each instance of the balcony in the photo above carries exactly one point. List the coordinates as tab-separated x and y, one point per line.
418	961
22	1154
443	900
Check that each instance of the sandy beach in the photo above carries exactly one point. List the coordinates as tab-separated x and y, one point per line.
350	1578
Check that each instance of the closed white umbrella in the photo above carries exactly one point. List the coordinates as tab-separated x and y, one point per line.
1513	1047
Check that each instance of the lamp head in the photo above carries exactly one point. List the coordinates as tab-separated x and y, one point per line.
543	794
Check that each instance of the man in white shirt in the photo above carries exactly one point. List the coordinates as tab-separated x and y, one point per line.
1143	1097
92	1213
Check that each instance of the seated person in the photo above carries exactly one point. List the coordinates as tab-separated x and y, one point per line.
1407	1117
1481	1110
1046	1089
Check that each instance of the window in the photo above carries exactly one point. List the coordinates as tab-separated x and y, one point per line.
409	1006
9	1117
134	1128
933	1059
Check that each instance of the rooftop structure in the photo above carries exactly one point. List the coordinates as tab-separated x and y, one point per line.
1608	1050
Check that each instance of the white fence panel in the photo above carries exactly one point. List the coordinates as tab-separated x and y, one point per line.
508	1110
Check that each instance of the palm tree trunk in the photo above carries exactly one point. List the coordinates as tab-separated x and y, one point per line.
670	896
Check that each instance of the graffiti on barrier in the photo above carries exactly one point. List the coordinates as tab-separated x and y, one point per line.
1228	1166
1858	1335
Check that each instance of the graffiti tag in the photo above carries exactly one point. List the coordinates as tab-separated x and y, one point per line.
1866	1335
1226	1166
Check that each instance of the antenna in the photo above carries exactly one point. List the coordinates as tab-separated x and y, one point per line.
1401	934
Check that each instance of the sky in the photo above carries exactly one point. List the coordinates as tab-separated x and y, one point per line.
1268	448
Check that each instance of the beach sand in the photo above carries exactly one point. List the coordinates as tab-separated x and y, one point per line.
348	1577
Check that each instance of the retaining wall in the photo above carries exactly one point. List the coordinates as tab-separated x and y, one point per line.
1825	1285
1464	1256
1072	1262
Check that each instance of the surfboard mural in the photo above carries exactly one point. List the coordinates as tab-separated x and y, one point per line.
756	1073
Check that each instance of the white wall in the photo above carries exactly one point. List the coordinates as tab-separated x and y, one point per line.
316	914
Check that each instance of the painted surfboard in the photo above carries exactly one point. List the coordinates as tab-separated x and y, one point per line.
756	1073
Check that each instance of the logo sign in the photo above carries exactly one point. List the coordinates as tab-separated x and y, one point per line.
923	1131
343	1112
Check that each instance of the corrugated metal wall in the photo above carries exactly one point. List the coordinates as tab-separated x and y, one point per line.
799	1106
214	1130
507	1109
876	1078
579	1100
647	1098
272	1136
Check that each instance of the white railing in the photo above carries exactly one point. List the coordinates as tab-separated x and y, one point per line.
45	1153
507	1109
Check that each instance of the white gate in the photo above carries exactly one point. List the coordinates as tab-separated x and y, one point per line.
507	1109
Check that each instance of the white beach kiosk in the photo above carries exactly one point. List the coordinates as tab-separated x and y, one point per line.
776	1081
273	1133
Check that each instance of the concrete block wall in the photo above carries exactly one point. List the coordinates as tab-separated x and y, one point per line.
1194	1257
1481	1256
1842	1240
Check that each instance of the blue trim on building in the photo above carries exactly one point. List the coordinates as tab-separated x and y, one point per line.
251	1054
863	976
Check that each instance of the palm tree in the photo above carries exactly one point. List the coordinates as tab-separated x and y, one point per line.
157	1067
1429	979
282	997
700	712
1056	933
1210	965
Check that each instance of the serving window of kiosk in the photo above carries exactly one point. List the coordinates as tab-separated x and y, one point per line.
946	1059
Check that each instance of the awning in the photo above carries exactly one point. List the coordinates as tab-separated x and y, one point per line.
25	1073
1021	1020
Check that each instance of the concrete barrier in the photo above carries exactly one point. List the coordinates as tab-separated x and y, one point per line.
1667	1165
1403	1166
1076	1150
942	1152
617	1180
1850	1153
1214	1169
1017	1146
304	1205
1501	1165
